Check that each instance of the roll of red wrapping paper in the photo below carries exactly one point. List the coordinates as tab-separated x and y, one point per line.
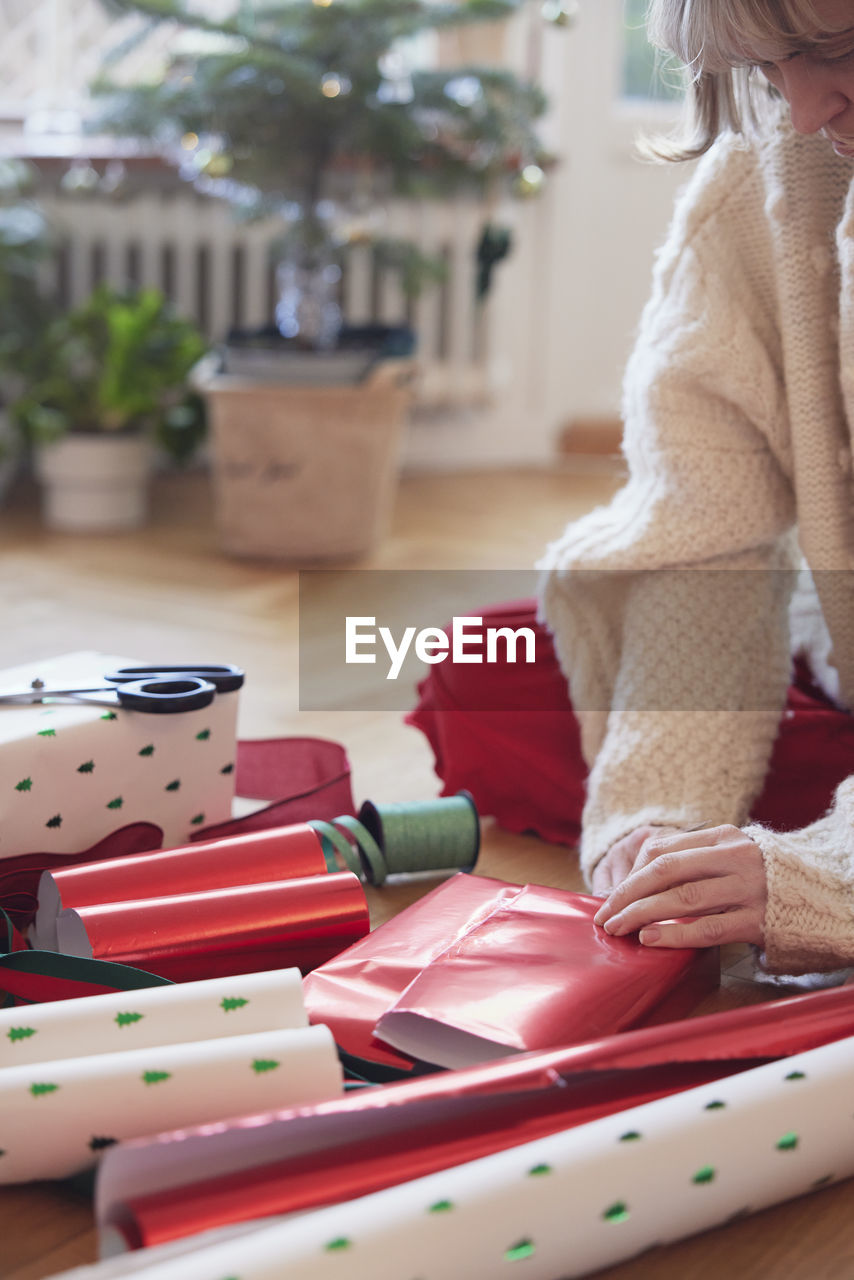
242	929
261	857
380	1137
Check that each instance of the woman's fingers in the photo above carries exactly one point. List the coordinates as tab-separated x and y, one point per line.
662	873
702	838
621	858
691	898
742	925
721	888
612	870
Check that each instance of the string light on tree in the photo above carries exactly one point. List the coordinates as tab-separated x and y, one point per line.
334	86
530	181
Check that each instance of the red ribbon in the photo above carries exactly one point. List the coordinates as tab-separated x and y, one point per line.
304	777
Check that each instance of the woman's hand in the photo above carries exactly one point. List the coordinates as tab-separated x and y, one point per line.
709	886
619	861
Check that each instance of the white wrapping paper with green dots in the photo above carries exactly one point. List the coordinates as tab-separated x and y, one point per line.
568	1204
57	1116
206	1010
69	775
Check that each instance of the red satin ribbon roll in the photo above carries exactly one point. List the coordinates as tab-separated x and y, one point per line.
380	1137
261	857
234	930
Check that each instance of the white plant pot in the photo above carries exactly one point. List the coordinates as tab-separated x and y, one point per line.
94	483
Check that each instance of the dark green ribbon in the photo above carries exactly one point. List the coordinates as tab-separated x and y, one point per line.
36	976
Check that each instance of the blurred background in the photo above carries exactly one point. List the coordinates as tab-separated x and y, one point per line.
514	374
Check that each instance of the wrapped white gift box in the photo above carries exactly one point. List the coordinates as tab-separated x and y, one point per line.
71	774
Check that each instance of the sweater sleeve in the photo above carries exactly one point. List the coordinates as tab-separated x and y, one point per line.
809	916
668	607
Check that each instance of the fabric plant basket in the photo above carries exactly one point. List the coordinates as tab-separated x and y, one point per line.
94	483
306	473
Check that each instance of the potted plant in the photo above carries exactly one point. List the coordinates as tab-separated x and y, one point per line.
103	385
314	111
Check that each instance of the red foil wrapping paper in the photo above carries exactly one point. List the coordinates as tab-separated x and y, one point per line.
379	1137
532	955
241	929
284	853
19	876
537	974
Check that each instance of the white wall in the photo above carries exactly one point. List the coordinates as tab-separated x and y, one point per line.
570	298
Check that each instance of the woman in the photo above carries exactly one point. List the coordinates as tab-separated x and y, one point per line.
739	408
669	608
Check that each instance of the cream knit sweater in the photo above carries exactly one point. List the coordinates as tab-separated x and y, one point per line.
670	606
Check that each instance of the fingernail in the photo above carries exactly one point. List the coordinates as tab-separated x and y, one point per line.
600	915
612	925
650	935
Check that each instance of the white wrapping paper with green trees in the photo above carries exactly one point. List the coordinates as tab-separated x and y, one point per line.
565	1205
69	775
78	1075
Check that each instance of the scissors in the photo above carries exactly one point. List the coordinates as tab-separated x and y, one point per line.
162	690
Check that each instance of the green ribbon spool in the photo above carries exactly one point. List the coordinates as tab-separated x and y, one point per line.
432	835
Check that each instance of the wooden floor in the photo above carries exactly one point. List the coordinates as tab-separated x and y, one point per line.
168	591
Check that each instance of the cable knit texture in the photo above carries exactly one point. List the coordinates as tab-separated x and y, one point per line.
670	607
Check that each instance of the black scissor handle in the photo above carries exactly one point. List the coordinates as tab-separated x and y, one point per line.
225	679
167	696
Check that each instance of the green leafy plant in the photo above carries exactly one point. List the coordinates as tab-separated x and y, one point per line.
117	363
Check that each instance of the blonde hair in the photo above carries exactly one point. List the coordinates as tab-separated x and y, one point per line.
714	39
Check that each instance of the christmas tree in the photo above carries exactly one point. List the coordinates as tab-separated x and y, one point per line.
312	111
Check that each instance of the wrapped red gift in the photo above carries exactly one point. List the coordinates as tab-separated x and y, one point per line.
260	857
182	1183
479	968
243	929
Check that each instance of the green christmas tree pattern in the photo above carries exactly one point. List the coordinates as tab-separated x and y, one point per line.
55	821
98	1143
174	785
47	733
228	768
228	1003
115	804
198	820
203	735
127	1019
87	767
109	715
147	751
155	1077
20	1033
26	784
260	1065
38	1090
